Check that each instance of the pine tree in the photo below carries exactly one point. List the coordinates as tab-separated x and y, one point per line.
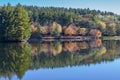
21	23
14	24
6	22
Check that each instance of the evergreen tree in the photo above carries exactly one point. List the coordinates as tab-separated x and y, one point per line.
21	23
14	23
6	22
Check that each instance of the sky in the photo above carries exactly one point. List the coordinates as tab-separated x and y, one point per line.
103	5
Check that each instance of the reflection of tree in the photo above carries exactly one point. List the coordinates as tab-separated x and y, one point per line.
96	43
70	46
113	49
82	55
56	48
52	48
67	58
14	58
111	46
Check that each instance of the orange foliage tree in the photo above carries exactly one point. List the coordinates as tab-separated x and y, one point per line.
82	31
71	30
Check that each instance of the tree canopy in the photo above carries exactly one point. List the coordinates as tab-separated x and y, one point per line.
14	23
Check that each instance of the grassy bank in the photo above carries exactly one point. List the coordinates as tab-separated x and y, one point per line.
111	37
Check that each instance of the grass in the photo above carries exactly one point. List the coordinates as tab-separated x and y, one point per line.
111	37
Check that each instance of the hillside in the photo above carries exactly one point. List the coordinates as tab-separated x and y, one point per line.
107	22
16	21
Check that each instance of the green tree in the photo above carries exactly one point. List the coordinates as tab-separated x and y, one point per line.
39	31
119	18
57	31
6	22
15	58
14	23
70	19
111	29
21	23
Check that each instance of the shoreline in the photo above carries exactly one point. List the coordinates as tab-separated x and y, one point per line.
65	38
111	38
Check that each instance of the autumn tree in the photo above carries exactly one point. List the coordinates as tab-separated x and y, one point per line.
71	30
44	29
82	31
57	29
101	24
111	29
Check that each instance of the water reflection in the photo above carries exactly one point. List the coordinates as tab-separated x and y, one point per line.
16	59
55	48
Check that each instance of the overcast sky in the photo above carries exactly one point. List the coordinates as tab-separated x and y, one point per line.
104	5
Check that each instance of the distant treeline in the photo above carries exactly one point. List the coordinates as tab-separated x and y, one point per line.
107	22
15	21
63	16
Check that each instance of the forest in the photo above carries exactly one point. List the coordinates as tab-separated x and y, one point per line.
21	22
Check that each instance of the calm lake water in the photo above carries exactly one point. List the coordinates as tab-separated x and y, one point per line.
95	60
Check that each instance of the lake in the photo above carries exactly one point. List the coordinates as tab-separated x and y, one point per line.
94	60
